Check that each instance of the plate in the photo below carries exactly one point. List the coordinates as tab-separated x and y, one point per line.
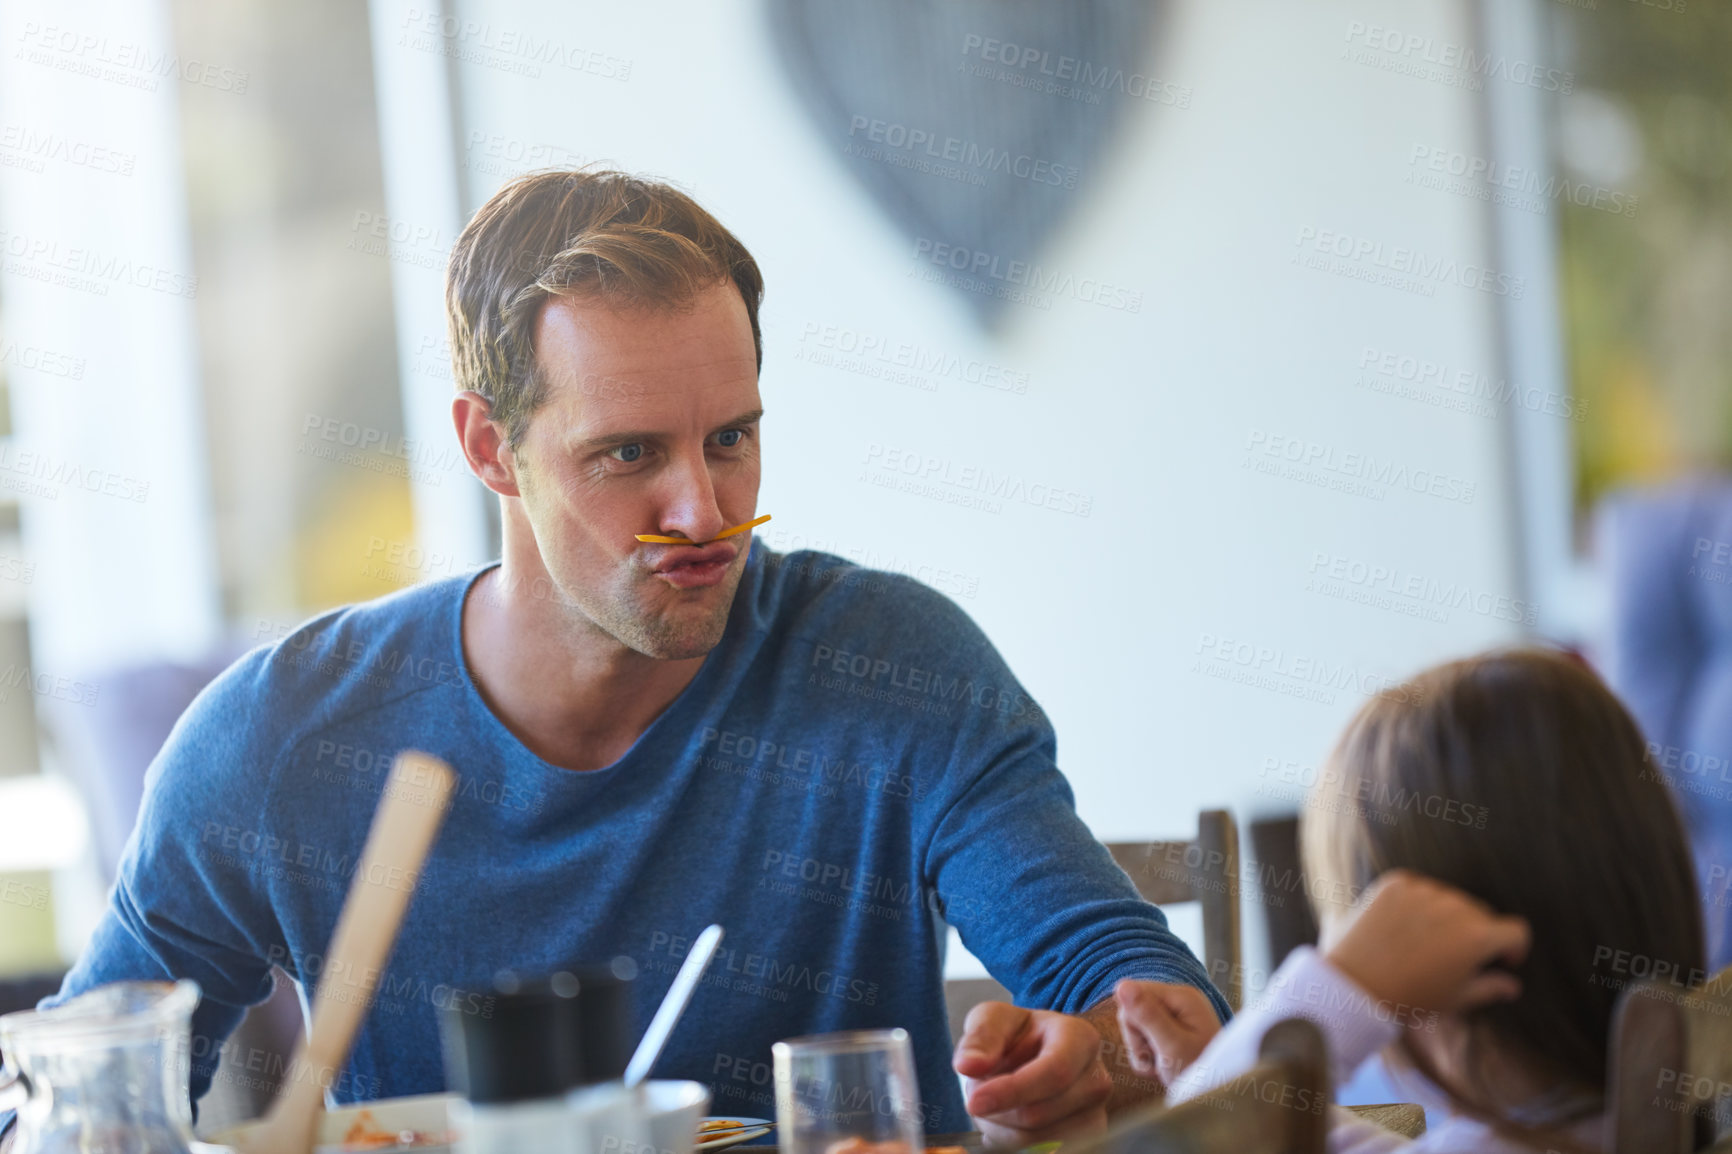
675	1108
754	1128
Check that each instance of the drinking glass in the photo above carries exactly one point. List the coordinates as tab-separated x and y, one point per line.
848	1093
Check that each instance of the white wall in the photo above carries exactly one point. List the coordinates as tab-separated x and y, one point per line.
1150	414
98	272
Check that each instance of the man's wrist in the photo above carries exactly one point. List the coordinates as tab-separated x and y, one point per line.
1129	1087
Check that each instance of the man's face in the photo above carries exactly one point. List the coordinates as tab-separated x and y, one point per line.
650	425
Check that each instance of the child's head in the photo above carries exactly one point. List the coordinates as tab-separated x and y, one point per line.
1518	778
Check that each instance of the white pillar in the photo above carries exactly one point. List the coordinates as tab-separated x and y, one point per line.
423	197
1539	446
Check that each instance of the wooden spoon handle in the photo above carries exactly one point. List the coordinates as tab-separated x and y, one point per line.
410	812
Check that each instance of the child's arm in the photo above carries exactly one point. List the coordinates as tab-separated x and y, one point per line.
1414	948
1306	986
1354	1028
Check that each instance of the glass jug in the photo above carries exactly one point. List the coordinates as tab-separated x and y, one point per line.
105	1073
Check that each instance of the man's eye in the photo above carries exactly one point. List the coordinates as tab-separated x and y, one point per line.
627	453
732	437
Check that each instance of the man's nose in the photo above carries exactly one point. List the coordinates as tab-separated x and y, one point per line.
689	505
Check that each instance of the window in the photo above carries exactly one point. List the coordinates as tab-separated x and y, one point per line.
1642	186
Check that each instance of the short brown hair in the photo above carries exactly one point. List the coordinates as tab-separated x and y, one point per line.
1517	777
575	232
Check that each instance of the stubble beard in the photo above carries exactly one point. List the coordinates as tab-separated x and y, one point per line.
630	618
672	633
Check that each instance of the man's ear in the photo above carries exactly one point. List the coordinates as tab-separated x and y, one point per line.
484	443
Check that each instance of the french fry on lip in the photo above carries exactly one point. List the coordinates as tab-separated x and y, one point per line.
657	539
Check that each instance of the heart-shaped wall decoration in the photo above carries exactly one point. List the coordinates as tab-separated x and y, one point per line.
976	124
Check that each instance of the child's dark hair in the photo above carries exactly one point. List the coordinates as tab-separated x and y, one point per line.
1520	779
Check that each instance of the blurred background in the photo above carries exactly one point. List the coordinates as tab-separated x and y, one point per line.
1226	362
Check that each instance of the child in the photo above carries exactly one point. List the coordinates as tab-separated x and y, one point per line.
1507	844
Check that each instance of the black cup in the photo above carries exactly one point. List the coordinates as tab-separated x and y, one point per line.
538	1038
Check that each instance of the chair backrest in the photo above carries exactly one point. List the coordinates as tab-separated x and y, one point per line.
1204	869
1669	1078
1279	1106
963	994
1287	916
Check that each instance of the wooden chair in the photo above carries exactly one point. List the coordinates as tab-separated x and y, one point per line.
1287	916
1279	1106
1204	870
1669	1082
963	994
1404	1118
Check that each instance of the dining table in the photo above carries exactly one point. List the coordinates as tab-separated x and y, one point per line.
1405	1119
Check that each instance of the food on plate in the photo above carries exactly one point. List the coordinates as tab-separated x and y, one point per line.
658	539
367	1134
719	1130
863	1146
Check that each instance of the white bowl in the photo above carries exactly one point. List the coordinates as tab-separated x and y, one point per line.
676	1108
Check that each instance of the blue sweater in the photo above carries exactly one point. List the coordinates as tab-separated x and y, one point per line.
851	762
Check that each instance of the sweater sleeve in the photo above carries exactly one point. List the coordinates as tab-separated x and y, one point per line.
1354	1025
1031	892
188	901
996	841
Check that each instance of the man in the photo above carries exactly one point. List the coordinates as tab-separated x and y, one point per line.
650	737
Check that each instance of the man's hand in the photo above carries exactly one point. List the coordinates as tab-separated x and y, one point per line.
1418	942
1164	1026
1031	1075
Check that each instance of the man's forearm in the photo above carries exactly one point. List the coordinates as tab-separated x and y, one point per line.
1129	1087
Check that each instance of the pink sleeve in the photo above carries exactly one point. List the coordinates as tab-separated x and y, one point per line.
1354	1024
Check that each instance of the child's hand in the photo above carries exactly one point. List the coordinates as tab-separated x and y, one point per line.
1415	941
1164	1026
